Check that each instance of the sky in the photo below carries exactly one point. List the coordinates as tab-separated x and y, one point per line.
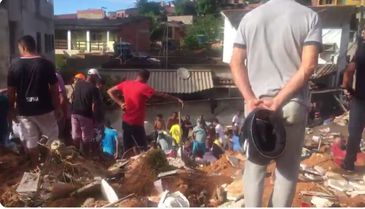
71	6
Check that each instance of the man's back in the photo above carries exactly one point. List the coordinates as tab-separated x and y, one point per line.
32	78
135	94
84	95
274	35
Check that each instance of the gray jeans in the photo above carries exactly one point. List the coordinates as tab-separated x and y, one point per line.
356	127
287	166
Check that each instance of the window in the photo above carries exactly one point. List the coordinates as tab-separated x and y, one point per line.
39	43
96	36
48	43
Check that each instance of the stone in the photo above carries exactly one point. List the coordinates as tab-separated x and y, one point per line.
340	185
88	202
29	185
60	190
235	162
358	186
233	204
333	175
235	190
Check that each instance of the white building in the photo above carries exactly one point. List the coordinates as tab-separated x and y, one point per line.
24	17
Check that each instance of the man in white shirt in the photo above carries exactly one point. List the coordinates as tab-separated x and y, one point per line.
219	131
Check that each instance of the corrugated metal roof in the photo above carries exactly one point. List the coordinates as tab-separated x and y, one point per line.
169	81
324	70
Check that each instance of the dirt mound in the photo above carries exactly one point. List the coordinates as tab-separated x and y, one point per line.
223	167
142	172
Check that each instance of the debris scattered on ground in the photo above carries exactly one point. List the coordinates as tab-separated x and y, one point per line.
66	179
321	202
173	200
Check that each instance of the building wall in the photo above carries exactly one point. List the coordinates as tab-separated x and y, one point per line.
229	36
30	20
24	17
91	14
136	33
4	49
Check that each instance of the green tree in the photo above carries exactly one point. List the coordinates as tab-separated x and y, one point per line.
208	27
205	7
146	7
185	7
155	12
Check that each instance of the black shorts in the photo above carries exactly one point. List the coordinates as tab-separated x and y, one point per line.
134	136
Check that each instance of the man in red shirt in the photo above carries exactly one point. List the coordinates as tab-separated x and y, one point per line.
136	93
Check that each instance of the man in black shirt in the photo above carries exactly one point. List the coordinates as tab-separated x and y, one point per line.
33	87
357	106
86	103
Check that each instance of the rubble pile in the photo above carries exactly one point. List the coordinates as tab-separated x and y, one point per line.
151	179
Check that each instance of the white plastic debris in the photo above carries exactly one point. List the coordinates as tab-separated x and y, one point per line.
321	202
358	186
29	185
340	185
108	192
173	200
320	170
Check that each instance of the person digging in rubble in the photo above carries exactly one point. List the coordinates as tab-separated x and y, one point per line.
235	140
199	135
86	103
275	53
357	104
186	126
173	119
176	133
33	87
237	120
136	93
219	133
109	142
159	125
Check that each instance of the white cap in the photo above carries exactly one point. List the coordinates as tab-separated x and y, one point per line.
94	71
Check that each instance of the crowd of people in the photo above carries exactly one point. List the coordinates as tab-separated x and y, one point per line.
199	137
40	105
37	104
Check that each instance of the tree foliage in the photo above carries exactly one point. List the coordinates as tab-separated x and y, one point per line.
208	27
146	7
206	7
185	7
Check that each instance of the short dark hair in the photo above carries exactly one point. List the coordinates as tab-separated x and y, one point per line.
28	42
144	74
215	120
159	115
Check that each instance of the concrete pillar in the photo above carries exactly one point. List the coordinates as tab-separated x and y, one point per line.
69	47
107	40
88	41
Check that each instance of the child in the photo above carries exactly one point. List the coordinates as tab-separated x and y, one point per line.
236	146
199	140
176	133
159	125
109	142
